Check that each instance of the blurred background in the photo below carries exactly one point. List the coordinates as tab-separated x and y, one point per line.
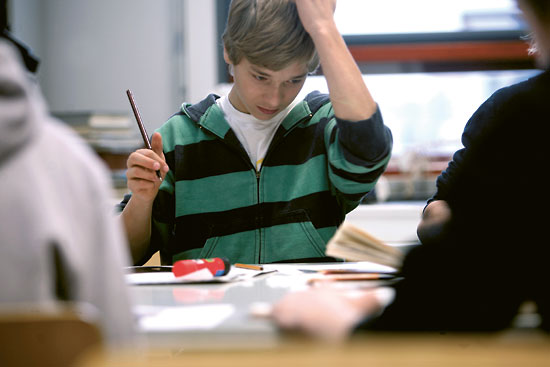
428	63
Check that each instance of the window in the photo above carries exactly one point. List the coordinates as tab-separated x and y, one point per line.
426	16
427	112
399	36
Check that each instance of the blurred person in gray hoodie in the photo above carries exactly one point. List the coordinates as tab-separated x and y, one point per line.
58	241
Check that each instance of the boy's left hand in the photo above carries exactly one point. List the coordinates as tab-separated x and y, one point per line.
314	14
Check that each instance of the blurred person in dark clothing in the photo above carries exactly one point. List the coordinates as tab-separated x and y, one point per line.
484	250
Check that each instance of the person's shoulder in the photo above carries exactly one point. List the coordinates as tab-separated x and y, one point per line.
531	87
510	102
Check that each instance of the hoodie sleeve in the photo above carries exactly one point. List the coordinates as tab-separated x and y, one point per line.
359	153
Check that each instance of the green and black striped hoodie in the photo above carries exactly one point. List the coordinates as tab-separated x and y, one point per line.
214	203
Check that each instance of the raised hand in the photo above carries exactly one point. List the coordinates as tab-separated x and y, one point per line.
316	14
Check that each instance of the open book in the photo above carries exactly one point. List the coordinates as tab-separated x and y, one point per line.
353	244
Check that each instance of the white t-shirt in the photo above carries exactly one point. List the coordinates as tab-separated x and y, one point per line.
255	135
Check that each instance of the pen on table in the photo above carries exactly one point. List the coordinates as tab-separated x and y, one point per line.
247	266
350	277
140	125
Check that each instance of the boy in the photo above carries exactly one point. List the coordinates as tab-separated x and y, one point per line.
257	176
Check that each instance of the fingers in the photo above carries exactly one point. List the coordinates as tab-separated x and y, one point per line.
146	159
313	11
141	174
327	314
311	312
156	144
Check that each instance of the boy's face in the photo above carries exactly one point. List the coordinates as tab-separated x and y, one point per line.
262	92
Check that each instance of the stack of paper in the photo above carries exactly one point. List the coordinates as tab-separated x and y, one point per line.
352	243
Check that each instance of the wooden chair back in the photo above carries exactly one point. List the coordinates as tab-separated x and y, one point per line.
36	338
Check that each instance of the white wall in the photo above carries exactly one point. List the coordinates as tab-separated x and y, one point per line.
200	39
27	23
92	51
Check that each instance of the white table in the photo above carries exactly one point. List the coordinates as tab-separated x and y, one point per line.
191	316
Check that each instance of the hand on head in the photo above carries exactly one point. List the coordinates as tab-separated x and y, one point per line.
315	13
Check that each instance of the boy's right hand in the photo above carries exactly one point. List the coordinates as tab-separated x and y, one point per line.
142	165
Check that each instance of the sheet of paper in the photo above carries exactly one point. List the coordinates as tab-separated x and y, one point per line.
182	318
295	269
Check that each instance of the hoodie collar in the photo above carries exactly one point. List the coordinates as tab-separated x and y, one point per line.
207	114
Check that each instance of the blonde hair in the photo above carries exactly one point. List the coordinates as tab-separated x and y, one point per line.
268	33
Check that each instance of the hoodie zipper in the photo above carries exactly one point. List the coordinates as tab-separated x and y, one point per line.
258	216
258	174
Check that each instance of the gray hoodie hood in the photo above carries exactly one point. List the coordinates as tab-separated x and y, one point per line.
18	116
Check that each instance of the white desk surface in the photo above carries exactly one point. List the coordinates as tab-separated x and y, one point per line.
225	314
212	325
